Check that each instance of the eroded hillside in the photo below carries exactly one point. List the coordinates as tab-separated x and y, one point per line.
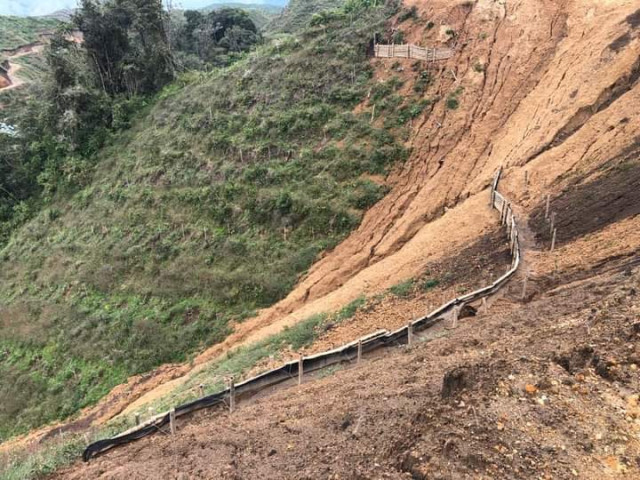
509	58
549	91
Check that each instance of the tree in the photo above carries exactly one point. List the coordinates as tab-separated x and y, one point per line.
126	43
212	36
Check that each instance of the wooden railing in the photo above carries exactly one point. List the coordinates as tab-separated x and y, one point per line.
412	51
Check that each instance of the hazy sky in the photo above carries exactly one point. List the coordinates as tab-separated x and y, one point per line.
43	7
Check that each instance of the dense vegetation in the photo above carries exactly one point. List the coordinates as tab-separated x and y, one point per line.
214	38
298	12
17	31
160	218
259	13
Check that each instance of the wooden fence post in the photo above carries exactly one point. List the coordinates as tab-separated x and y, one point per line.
201	388
300	369
137	417
359	350
485	308
456	313
410	333
524	285
232	394
546	210
553	239
172	421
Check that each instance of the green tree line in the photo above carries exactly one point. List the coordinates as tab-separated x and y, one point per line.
130	50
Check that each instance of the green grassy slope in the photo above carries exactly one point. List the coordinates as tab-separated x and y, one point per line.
297	13
16	31
223	192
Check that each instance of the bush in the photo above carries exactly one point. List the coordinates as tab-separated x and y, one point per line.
408	13
429	284
452	99
403	289
423	81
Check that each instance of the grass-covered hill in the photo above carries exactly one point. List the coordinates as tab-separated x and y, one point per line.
222	192
298	12
17	31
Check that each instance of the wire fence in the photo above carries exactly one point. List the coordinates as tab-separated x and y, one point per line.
346	353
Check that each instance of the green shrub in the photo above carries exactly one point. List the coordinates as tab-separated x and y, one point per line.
408	13
452	103
452	100
423	81
429	284
397	37
350	309
403	289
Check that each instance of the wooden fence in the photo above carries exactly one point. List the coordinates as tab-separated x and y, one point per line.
412	51
347	353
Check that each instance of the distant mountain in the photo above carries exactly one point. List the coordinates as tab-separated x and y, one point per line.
25	8
262	3
265	7
64	15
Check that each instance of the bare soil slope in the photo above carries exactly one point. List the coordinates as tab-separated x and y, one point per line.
550	88
544	390
546	87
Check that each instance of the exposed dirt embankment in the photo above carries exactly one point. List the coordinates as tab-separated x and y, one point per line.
541	84
547	390
544	86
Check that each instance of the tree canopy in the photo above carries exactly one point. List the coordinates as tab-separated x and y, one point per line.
212	36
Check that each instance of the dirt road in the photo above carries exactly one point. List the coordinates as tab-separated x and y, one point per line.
14	80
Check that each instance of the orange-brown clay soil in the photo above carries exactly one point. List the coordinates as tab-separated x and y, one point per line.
557	97
548	389
550	88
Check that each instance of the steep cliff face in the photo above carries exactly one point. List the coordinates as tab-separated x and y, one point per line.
546	87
